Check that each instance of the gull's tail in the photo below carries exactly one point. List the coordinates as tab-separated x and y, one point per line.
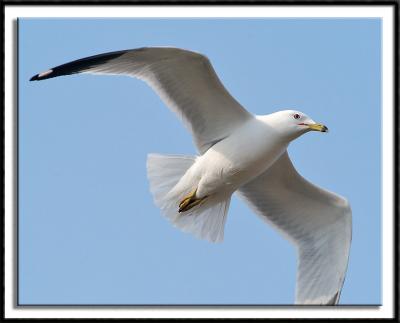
206	220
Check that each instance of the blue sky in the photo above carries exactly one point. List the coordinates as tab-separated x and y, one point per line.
89	232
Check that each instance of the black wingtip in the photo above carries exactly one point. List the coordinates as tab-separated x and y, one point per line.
42	76
34	78
77	66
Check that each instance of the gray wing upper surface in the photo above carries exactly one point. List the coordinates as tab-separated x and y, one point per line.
316	221
185	81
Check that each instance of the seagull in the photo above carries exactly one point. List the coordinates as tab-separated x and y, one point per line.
238	152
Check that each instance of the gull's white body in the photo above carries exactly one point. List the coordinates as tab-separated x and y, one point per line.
238	152
236	159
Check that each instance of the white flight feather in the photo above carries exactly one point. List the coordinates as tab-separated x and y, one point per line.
189	86
318	222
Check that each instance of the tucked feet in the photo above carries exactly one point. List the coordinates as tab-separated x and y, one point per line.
190	201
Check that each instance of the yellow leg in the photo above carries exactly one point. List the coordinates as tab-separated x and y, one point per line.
190	201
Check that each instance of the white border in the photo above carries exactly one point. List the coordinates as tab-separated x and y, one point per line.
383	12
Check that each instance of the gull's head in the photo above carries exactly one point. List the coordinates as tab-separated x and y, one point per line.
293	124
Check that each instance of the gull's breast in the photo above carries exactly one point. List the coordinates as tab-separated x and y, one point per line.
242	156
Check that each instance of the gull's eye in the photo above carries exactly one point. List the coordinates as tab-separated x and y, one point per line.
296	116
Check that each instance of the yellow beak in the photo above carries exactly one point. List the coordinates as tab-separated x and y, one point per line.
318	127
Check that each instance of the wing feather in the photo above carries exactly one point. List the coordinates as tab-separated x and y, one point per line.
185	81
316	221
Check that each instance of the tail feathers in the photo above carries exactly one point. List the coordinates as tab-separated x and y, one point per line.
206	220
164	172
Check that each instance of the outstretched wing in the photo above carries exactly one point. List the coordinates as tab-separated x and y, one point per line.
185	81
318	222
